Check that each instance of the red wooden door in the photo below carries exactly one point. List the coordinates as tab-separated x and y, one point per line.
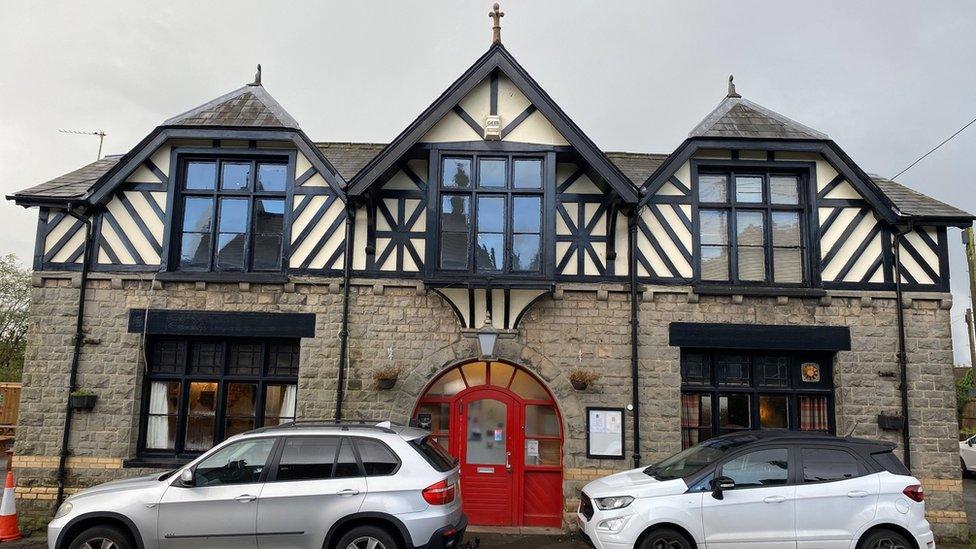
490	468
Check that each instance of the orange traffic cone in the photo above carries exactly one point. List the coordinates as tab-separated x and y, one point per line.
9	531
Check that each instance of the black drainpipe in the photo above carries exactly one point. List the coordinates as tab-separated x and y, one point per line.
79	340
902	353
344	331
634	326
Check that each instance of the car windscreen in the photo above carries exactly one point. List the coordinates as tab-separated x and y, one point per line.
437	456
691	460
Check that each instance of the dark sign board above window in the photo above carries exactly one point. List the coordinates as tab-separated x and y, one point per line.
221	323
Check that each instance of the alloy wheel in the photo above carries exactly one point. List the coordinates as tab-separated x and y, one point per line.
673	543
99	543
888	543
369	542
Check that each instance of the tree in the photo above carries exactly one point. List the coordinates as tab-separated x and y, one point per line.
15	293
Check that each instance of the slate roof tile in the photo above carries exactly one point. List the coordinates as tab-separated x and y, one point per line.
736	117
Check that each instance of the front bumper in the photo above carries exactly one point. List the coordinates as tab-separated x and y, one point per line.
604	539
448	537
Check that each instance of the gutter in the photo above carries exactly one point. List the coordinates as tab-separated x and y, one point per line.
344	330
634	327
78	341
902	353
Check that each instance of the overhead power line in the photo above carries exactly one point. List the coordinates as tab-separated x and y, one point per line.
910	166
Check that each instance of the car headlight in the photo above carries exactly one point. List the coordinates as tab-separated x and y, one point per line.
612	525
613	502
64	509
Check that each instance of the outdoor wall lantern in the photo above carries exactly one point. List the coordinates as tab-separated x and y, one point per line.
487	336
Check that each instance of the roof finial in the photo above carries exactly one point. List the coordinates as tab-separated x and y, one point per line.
732	88
257	77
496	28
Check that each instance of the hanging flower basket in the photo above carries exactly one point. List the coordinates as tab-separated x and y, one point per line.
581	379
83	400
386	377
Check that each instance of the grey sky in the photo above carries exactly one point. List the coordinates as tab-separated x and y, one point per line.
887	79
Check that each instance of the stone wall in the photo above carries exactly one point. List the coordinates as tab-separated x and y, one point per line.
421	329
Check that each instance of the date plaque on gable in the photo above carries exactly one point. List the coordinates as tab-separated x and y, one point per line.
493	127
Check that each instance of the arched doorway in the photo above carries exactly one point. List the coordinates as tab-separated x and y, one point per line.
504	427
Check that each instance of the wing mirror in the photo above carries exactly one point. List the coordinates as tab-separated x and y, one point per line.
970	442
719	485
186	477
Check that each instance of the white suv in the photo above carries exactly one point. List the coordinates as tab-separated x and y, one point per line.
305	485
764	489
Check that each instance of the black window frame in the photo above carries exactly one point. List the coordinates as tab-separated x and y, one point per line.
179	193
222	379
755	389
805	172
546	193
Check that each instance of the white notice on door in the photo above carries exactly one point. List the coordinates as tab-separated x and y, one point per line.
532	447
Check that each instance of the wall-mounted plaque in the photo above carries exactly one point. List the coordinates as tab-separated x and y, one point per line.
605	433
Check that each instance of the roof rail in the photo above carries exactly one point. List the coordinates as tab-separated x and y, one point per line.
345	424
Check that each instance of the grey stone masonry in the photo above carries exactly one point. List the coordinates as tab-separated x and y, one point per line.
422	331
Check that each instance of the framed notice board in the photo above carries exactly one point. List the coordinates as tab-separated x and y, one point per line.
605	433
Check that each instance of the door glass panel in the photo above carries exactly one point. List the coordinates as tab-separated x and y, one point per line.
759	468
238	463
474	373
527	387
200	416
307	458
825	464
487	424
542	451
449	384
501	374
774	412
733	413
346	464
541	420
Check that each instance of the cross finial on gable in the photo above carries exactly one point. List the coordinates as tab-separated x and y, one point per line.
496	28
257	77
732	92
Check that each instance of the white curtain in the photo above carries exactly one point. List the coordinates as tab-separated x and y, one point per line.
157	431
289	402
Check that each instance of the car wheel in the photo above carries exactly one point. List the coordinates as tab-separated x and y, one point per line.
884	539
101	537
367	537
665	538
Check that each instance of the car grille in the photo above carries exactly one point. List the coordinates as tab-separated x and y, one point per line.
586	506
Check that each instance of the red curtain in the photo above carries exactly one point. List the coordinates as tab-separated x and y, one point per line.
813	413
690	419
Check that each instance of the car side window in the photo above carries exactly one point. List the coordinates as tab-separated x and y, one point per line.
238	463
346	464
377	457
307	458
767	467
829	464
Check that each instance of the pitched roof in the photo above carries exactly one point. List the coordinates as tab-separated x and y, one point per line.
72	184
912	203
349	158
636	166
736	117
247	106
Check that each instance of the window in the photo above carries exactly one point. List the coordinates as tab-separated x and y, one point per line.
238	463
750	227
307	458
491	214
828	464
377	457
758	468
232	214
200	391
724	392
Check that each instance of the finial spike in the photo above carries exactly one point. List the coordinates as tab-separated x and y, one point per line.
257	77
496	28
732	92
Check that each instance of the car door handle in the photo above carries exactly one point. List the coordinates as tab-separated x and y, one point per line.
857	494
246	498
774	499
347	492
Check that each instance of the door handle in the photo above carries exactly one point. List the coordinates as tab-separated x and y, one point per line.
857	494
347	492
774	499
508	464
246	498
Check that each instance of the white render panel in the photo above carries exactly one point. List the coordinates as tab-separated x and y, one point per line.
848	248
360	228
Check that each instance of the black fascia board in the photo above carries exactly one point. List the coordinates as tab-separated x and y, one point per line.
497	57
759	337
828	149
221	323
103	188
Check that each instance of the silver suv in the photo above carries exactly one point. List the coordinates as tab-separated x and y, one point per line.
308	485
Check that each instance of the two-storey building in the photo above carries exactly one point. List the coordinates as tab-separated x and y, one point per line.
230	272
